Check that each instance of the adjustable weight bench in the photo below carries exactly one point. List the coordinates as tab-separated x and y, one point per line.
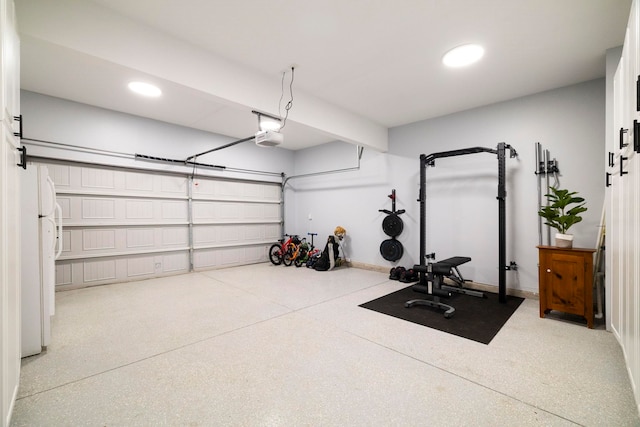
435	273
448	268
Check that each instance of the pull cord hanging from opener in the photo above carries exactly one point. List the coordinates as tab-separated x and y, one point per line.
289	104
261	139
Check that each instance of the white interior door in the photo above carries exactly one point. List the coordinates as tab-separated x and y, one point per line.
9	211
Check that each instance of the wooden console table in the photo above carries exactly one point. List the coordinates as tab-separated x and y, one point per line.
566	281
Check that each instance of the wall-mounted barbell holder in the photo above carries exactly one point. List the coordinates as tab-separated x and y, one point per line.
622	171
23	157
608	179
622	143
611	159
638	93
19	120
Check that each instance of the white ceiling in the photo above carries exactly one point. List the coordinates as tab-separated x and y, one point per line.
361	66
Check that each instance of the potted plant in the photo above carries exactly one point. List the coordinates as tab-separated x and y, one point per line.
563	211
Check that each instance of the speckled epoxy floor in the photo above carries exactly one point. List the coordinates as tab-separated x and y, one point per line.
264	345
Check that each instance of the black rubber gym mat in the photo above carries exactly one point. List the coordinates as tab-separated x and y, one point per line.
477	319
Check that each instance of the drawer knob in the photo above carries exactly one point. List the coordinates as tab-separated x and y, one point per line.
548	270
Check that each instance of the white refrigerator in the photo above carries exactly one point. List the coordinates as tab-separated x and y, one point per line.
41	244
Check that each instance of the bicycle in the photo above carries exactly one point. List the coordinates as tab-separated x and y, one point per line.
307	252
278	251
313	251
299	252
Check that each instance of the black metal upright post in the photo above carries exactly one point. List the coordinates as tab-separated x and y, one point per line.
423	218
502	225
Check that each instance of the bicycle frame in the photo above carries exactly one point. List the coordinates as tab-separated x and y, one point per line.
278	251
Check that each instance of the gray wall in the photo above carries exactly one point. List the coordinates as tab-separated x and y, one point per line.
461	192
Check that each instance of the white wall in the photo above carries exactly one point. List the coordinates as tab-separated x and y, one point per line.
57	120
462	212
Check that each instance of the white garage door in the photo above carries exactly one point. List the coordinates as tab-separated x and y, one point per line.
122	225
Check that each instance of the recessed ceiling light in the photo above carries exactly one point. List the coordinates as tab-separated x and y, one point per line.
145	89
462	56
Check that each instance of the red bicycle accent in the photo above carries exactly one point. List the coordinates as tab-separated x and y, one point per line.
282	252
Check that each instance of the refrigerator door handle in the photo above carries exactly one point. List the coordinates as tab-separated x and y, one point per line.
52	187
59	228
53	224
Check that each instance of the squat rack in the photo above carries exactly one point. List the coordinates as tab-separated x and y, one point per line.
429	160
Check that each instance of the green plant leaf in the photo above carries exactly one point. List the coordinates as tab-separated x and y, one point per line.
557	215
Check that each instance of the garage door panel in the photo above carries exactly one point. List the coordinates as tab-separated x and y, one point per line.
61	175
173	186
65	206
79	273
138	209
174	236
175	263
122	224
234	234
140	266
262	212
235	212
272	232
92	241
272	192
97	178
209	189
138	182
99	270
174	211
92	180
63	273
227	257
98	239
93	208
228	211
92	211
141	238
256	254
66	242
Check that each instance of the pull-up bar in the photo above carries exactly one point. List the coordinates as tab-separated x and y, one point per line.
429	160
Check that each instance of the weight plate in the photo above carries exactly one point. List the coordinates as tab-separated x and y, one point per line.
391	250
392	225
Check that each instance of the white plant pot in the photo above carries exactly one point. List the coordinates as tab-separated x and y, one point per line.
564	240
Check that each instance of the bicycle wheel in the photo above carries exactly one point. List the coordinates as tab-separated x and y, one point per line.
301	258
287	259
275	254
